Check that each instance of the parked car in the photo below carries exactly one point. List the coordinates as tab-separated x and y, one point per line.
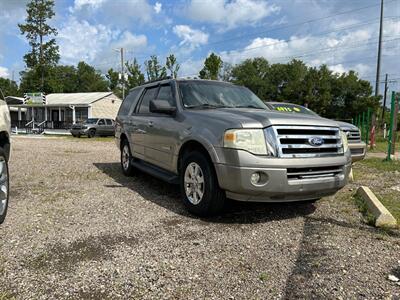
5	129
94	127
219	140
356	145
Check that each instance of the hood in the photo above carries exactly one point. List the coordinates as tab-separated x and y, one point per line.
257	118
346	126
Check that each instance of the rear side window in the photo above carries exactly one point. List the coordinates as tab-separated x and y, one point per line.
165	93
149	95
128	102
109	122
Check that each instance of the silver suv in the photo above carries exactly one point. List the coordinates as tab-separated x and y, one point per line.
5	129
93	127
219	140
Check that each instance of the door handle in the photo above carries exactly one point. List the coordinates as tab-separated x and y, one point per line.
150	123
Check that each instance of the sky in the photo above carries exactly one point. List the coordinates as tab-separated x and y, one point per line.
340	33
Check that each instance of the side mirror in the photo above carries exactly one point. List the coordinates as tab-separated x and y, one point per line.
161	107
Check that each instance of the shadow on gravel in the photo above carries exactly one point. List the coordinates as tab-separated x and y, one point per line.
64	258
316	256
168	196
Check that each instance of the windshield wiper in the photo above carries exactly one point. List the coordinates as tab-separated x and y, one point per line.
205	106
248	106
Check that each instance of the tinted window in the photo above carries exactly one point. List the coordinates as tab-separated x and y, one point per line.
127	103
148	95
101	122
109	122
165	93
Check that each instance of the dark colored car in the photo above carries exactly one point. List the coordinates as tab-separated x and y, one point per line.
94	127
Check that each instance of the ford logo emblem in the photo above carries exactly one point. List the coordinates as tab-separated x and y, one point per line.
316	141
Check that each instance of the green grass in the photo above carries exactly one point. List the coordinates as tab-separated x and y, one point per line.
381	165
263	277
362	207
392	202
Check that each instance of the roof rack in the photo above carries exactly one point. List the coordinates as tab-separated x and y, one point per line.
160	79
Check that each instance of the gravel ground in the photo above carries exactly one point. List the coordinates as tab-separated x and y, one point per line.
78	229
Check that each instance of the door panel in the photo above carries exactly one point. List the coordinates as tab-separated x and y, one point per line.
139	123
162	133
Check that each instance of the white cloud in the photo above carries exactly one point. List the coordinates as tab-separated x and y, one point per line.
80	40
230	14
157	7
115	12
191	38
79	4
4	72
314	50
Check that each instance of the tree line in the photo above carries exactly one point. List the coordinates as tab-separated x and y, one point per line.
333	95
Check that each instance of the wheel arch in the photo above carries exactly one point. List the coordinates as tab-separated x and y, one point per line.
193	145
5	143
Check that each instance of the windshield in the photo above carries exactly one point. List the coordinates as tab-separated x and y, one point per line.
91	121
207	94
292	108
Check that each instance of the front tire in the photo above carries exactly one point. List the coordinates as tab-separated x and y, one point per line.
4	186
91	133
200	190
126	159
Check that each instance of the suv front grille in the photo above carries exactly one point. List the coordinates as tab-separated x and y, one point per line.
353	135
297	141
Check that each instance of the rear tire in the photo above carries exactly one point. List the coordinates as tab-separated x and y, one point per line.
200	190
4	186
126	159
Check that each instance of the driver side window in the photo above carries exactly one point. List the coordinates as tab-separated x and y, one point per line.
101	122
165	93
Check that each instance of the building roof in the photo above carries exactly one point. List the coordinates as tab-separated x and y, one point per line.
64	99
75	98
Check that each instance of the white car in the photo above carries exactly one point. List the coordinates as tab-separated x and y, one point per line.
5	129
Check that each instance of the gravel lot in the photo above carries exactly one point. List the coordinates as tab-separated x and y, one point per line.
78	229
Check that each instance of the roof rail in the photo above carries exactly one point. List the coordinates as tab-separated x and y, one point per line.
160	79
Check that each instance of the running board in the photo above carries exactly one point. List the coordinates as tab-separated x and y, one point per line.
156	171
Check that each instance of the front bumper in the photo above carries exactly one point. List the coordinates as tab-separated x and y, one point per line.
358	151
279	187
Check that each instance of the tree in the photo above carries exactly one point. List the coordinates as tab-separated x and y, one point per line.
43	54
135	75
154	70
113	79
212	67
8	87
172	66
90	80
252	73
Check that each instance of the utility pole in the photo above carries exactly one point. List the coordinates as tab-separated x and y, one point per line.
378	63
121	51
122	73
384	98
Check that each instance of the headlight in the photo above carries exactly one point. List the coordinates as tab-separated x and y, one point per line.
344	141
251	140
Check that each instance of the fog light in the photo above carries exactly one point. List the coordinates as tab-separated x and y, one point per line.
255	178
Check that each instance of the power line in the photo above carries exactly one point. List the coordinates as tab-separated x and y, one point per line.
300	38
296	24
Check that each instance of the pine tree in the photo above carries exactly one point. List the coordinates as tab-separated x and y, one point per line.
44	50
